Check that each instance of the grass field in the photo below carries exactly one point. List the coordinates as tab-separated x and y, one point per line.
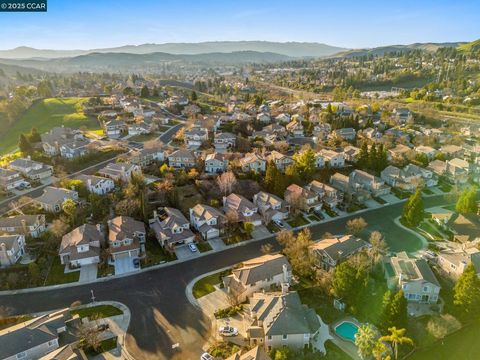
100	311
56	274
44	115
207	284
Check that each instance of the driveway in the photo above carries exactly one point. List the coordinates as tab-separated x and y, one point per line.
124	265
260	232
390	198
183	252
372	204
88	273
217	244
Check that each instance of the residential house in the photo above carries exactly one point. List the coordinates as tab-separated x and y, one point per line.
146	157
126	238
319	160
264	118
140	128
34	338
280	319
333	158
257	353
195	137
452	151
399	153
253	162
326	193
438	167
302	198
258	274
282	118
429	179
28	225
53	140
216	163
402	115
428	151
295	128
398	178
245	209
454	261
171	228
328	253
10	179
114	129
458	170
97	184
81	246
351	153
122	172
359	179
321	130
12	248
53	198
74	149
281	161
31	169
348	134
414	277
207	220
465	227
270	206
223	141
182	159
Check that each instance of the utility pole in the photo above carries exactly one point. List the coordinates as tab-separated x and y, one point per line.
93	296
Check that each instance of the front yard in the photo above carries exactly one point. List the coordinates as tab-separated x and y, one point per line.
206	285
155	254
143	137
100	311
56	275
298	220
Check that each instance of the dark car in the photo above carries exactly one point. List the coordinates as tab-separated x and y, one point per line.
136	263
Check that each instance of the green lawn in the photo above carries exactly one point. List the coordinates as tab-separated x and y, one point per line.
205	285
430	229
56	274
203	246
463	345
298	220
313	217
102	311
143	137
46	114
155	254
105	345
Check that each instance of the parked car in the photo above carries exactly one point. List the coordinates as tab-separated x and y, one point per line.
103	327
192	247
279	224
228	331
206	356
136	263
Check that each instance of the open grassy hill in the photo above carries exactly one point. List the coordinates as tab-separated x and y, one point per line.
44	115
471	46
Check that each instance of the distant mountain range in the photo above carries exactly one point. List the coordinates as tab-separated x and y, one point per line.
292	49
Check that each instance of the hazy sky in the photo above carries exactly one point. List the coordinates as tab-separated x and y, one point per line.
87	24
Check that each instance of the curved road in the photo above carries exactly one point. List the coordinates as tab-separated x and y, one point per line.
161	313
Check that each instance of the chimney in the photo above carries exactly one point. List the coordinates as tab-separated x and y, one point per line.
286	278
89	183
24	226
285	287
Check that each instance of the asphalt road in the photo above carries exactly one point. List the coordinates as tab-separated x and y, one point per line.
161	313
166	137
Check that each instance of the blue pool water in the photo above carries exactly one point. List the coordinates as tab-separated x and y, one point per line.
347	330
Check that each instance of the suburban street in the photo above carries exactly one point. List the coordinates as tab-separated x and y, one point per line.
161	313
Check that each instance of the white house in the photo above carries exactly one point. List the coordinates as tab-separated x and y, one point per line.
81	246
12	248
206	220
215	163
97	184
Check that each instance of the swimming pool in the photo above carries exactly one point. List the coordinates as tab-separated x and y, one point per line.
347	330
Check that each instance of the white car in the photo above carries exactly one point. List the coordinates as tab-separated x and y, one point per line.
206	356
228	331
279	223
192	247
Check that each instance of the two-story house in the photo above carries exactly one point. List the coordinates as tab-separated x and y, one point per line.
328	253
97	184
126	240
31	169
207	220
270	206
359	179
171	228
253	162
195	137
81	246
453	261
326	193
122	172
281	161
333	158
302	198
257	274
74	149
216	163
10	179
114	129
12	248
53	198
182	159
295	128
245	209
223	141
28	225
414	277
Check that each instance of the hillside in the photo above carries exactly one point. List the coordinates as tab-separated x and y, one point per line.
379	51
292	49
471	46
44	115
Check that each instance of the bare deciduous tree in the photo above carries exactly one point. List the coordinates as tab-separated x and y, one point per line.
356	226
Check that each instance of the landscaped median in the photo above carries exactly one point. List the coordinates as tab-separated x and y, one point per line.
97	312
206	285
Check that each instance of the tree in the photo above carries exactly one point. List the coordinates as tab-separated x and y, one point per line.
466	293
58	228
349	281
69	207
34	271
128	91
193	96
396	338
297	250
365	340
413	209
305	163
145	93
24	145
356	226
89	336
271	176
226	182
381	351
248	227
266	249
231	220
467	202
378	246
34	136
394	310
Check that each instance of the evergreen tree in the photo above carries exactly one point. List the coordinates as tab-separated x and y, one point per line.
382	158
363	156
372	157
413	209
305	163
466	293
34	136
193	96
24	145
145	93
155	92
271	176
467	202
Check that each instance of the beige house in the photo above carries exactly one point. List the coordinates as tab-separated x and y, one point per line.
302	198
122	172
414	277
328	253
245	209
253	162
28	225
280	319
12	248
81	246
270	206
182	159
454	261
171	227
207	220
126	237
256	275
53	198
